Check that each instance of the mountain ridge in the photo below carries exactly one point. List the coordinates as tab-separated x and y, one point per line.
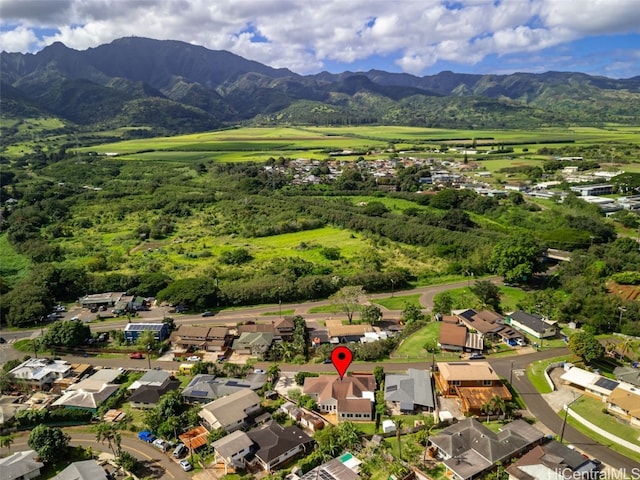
214	88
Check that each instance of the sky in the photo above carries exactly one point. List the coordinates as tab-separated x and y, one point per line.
420	37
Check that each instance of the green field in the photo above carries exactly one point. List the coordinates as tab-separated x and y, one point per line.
398	303
414	345
13	266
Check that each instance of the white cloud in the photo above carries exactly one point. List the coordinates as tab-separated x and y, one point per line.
303	35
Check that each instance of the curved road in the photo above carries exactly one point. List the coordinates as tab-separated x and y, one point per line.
154	463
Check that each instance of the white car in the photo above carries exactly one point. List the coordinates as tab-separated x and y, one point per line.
259	370
186	466
194	358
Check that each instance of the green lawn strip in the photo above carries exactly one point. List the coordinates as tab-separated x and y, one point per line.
31	346
601	440
413	346
463	298
593	410
398	303
326	309
535	371
278	312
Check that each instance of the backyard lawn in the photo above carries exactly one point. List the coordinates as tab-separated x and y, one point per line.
413	346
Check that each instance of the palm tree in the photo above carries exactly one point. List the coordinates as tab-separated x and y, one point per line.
498	404
486	409
625	346
399	424
109	432
6	441
273	372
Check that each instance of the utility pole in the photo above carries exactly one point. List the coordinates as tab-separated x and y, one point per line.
566	413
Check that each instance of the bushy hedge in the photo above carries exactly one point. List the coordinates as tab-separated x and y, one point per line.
31	418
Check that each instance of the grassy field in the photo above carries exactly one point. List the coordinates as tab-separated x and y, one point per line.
535	372
13	266
463	298
413	346
398	303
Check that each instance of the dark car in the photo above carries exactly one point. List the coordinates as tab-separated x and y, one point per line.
207	314
2	340
181	309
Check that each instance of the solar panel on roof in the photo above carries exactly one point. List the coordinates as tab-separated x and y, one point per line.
199	393
392	388
606	383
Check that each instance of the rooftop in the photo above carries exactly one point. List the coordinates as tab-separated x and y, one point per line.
467	371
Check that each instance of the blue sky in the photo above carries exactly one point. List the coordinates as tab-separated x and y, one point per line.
421	37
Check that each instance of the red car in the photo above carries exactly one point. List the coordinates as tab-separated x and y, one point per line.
136	355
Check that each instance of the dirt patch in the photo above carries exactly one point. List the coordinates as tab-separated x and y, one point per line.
625	292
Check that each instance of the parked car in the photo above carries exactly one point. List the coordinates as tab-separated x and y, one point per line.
186	466
161	444
180	450
2	340
259	370
146	436
75	318
476	356
181	309
193	358
136	355
207	314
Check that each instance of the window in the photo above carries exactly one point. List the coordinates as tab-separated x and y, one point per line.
456	383
487	383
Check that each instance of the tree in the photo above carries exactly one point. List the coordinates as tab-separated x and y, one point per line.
348	299
371	314
443	303
412	313
127	461
514	259
109	432
147	340
378	373
194	292
66	333
6	441
49	442
399	424
586	346
273	373
487	293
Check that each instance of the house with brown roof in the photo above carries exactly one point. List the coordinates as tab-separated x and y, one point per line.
350	398
552	461
474	383
339	333
284	328
624	402
210	339
489	325
257	328
456	338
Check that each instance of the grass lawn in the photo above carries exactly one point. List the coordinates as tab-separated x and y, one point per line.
413	346
278	312
398	303
535	371
509	298
326	309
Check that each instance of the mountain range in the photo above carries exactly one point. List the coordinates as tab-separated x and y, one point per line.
173	87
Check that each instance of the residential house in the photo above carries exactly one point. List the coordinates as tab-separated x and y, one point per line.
474	383
276	444
210	339
38	373
350	398
410	392
344	467
312	422
232	450
532	324
490	325
551	461
284	328
152	378
339	333
257	328
456	338
147	396
231	412
628	374
132	331
98	300
624	402
469	449
253	343
91	392
9	406
83	470
20	466
205	388
591	383
195	438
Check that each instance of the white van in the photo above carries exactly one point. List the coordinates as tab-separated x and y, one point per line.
180	450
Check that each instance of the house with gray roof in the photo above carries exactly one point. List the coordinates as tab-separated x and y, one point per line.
552	460
410	392
83	470
20	466
532	324
253	343
628	374
91	392
469	449
232	450
153	378
275	444
231	412
205	388
147	396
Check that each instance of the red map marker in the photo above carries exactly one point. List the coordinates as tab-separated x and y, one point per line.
341	357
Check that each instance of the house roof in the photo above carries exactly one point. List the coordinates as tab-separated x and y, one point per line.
195	438
97	381
203	333
450	319
19	464
414	388
474	448
532	321
231	444
452	334
231	409
86	399
40	368
330	386
628	374
254	338
549	457
626	397
144	327
274	440
476	397
334	469
335	328
151	393
589	380
467	371
474	341
83	470
151	377
256	328
285	323
210	387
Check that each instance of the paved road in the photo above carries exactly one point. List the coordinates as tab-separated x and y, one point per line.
154	464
